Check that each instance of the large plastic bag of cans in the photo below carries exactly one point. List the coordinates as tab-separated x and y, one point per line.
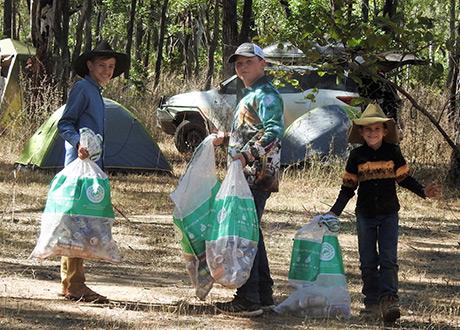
78	216
317	272
193	199
232	241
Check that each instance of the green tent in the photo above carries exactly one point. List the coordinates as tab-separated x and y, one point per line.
127	144
13	58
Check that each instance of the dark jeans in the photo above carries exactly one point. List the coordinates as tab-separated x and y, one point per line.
258	287
379	267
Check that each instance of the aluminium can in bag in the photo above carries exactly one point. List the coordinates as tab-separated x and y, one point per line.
78	216
232	242
317	273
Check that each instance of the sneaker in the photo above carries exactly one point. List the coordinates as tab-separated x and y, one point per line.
370	312
240	306
389	307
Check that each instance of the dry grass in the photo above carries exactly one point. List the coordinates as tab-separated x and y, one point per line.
150	288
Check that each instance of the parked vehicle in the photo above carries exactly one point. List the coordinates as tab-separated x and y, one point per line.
193	115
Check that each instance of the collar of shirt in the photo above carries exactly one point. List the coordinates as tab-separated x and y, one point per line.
93	82
259	82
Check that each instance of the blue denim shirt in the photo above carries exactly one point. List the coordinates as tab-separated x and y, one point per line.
85	108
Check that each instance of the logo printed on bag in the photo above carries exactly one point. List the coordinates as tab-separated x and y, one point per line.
95	193
327	252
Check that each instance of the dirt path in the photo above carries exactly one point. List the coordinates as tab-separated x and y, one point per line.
150	288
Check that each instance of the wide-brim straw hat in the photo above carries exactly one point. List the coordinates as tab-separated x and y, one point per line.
371	115
102	49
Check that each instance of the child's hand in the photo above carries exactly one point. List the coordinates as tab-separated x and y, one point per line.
433	190
82	152
220	136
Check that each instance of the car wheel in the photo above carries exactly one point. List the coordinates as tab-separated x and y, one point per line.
189	135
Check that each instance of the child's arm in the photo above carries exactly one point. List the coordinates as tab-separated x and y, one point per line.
77	103
405	180
349	185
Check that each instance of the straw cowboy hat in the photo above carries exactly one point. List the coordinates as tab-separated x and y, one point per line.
102	49
371	115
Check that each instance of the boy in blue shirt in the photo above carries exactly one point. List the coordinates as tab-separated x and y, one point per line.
85	108
374	168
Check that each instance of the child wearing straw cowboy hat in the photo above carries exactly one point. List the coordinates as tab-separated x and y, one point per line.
85	108
374	168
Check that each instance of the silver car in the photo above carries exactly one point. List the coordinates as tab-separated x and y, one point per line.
193	115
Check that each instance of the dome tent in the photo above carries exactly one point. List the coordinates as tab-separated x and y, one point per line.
128	147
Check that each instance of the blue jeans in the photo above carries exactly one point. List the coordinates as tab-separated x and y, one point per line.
379	267
258	288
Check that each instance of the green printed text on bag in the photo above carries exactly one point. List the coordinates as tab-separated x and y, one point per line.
80	196
331	258
235	217
195	226
305	260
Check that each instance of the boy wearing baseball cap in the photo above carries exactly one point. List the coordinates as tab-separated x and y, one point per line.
374	168
255	139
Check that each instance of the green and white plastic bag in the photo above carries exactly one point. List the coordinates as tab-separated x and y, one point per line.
317	272
232	242
193	212
78	216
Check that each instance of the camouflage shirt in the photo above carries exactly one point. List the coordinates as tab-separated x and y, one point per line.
257	129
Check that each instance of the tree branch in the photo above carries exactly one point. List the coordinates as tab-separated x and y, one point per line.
433	120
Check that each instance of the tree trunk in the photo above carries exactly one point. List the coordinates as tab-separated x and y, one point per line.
64	43
187	50
7	18
148	43
79	30
454	171
229	34
247	23
365	10
89	27
99	22
350	11
389	8
287	10
161	37
130	33
139	36
453	61
389	11
14	20
212	46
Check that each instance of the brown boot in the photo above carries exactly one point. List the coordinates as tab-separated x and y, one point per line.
389	306
371	312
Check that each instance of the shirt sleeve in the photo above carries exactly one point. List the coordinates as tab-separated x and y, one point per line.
403	177
349	185
75	106
270	110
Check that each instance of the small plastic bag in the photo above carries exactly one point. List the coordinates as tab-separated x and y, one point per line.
317	272
92	142
232	242
193	199
78	216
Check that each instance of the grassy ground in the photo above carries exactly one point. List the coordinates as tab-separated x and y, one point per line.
151	289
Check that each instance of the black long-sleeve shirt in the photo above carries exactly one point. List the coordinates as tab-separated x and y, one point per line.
375	173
